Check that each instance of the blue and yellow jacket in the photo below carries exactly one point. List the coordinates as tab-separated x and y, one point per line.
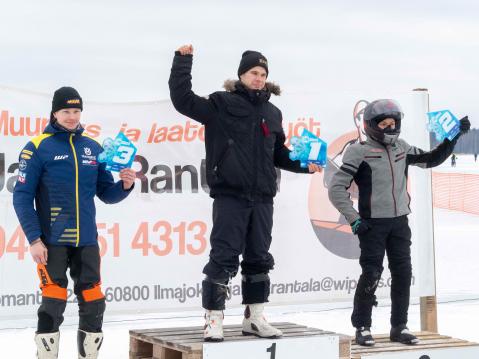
60	171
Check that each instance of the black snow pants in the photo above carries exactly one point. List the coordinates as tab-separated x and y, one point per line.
391	236
84	265
240	227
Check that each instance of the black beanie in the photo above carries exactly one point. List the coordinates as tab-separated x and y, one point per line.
251	59
66	97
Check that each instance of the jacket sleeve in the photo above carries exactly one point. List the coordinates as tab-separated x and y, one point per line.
417	157
281	155
341	181
25	191
184	99
107	189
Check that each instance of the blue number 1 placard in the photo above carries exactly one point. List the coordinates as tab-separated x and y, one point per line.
309	148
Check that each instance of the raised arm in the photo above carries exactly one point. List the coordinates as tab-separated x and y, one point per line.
433	158
184	99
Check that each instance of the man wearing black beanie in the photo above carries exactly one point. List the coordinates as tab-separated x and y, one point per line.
65	97
252	59
59	171
244	141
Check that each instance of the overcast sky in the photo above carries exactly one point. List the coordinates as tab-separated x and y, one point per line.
122	50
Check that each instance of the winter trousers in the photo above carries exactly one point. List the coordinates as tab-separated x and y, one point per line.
391	236
84	265
240	227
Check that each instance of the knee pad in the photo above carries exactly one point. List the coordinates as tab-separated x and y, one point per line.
403	269
91	315
255	288
401	279
92	294
263	266
50	315
214	293
369	281
49	288
221	269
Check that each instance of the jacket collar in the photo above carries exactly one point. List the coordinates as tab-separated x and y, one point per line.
56	129
254	96
376	143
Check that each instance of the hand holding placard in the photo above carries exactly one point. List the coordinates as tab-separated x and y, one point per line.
118	153
444	125
309	148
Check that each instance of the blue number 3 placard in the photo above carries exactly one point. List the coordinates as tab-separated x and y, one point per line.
118	153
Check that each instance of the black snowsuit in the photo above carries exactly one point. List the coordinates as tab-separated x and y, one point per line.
244	141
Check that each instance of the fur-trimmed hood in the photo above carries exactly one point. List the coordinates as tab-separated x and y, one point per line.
230	86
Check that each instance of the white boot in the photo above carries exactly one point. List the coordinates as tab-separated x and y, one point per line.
47	345
213	331
254	323
89	344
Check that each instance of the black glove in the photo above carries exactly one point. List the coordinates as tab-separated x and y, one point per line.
465	125
360	226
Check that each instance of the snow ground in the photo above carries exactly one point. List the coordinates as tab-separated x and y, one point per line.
464	164
457	291
455	319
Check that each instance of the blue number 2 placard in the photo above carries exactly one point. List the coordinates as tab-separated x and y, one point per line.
444	125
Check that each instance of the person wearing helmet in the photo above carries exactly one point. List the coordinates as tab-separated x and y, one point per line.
379	168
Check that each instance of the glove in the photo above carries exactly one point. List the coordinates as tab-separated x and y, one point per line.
465	125
360	226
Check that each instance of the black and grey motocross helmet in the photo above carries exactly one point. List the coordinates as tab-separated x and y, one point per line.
377	111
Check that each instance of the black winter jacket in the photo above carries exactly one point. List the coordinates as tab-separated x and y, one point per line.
244	137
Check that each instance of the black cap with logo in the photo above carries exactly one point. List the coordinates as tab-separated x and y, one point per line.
65	97
251	59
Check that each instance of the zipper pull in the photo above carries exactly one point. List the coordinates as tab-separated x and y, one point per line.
265	128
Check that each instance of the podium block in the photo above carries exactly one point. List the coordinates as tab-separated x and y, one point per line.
187	343
432	346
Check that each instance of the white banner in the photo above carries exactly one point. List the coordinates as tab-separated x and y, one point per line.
156	242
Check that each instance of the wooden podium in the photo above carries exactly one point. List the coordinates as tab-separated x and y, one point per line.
432	346
187	342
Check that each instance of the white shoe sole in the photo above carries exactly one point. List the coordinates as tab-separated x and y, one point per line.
260	336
